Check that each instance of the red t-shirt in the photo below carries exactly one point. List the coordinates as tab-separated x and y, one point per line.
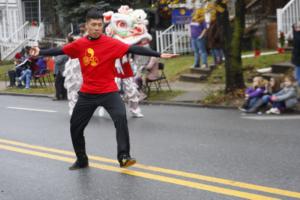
97	61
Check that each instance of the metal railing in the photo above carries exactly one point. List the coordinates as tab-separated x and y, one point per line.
175	39
287	16
23	36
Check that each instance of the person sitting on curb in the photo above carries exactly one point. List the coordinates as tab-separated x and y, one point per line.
273	86
253	94
286	98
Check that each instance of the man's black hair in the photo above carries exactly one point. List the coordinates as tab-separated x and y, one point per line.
94	13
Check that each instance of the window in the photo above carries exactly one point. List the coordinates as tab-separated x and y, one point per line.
31	10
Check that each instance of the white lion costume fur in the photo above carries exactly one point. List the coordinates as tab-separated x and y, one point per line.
128	26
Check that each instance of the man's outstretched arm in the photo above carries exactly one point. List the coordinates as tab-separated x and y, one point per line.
138	50
36	51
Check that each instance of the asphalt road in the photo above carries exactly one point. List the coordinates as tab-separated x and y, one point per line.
183	153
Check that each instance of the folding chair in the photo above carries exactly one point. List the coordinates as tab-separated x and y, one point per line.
156	83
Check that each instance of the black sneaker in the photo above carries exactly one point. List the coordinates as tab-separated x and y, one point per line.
79	164
126	161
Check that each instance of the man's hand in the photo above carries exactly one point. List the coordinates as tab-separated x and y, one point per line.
34	51
168	55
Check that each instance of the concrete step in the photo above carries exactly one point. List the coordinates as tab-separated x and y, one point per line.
282	67
193	77
200	70
270	75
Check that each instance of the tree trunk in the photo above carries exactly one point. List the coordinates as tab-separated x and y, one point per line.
232	45
235	78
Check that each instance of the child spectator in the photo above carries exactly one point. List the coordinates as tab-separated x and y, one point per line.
253	94
286	98
272	87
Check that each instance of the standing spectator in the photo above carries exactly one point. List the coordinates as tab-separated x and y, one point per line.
60	90
296	50
215	41
198	33
59	68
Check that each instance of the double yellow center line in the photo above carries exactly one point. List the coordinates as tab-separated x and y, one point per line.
170	176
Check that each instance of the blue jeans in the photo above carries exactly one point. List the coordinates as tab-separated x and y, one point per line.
217	55
297	74
252	102
199	47
26	77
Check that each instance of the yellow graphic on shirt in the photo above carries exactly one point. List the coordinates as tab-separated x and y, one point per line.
89	58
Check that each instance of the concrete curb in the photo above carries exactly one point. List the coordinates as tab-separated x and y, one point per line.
185	104
165	103
25	95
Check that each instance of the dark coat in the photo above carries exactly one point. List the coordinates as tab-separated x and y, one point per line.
296	49
214	36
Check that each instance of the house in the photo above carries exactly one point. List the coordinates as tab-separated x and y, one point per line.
261	20
18	25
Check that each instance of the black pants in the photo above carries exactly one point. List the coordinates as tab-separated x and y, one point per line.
60	90
12	78
83	112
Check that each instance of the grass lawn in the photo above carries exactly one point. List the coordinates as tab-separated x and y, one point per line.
32	90
249	66
174	67
4	68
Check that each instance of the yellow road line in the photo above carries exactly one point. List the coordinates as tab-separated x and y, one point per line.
190	184
169	171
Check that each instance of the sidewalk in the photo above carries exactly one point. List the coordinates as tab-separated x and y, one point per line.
193	92
2	85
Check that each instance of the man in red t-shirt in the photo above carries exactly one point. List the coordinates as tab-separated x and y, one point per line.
97	54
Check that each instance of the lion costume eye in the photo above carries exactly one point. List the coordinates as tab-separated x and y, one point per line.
121	24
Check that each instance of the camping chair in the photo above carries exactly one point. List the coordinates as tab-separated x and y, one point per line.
156	83
42	78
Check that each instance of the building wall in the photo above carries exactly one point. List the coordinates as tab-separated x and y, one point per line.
10	17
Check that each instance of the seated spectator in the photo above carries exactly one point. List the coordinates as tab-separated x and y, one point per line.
253	94
286	98
26	73
152	68
12	74
41	66
272	87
